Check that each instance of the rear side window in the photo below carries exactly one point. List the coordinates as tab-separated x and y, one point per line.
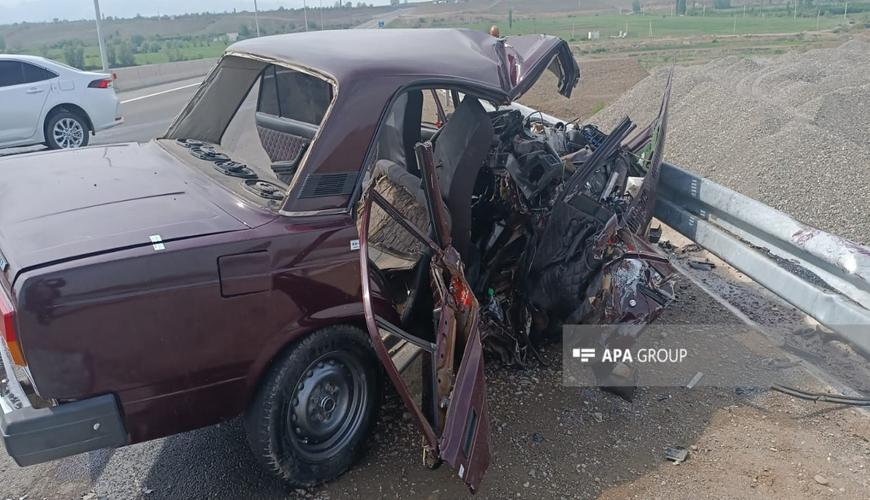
268	102
10	73
294	95
36	74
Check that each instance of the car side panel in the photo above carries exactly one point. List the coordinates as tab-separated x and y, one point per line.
152	326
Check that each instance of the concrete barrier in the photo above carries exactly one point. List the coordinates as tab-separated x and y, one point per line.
137	77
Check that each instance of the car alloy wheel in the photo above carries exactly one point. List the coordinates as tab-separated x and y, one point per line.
68	133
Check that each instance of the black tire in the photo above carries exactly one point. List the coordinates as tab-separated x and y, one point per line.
346	395
68	121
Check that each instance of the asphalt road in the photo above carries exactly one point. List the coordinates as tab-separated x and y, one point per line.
148	112
386	19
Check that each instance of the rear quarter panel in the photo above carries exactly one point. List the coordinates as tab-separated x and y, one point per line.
152	326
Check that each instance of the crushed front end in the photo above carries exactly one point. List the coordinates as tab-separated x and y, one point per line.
561	230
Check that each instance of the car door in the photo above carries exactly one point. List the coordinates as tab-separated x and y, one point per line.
24	89
453	417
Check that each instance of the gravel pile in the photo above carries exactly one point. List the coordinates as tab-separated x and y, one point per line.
791	131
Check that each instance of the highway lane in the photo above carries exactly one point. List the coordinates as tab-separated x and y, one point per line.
148	112
386	19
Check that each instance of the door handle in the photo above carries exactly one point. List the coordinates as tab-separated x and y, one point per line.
35	90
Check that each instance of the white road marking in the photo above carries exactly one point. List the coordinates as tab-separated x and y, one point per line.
159	93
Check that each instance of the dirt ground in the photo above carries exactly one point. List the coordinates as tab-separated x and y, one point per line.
601	82
552	441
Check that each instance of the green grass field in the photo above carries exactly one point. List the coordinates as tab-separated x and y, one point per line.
639	26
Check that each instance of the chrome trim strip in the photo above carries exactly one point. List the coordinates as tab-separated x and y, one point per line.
313	213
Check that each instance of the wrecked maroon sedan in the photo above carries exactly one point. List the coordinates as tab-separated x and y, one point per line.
350	238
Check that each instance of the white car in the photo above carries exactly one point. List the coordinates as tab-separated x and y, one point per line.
46	102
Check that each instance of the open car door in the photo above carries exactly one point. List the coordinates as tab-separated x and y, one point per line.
452	412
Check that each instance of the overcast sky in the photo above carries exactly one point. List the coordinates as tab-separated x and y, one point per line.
15	11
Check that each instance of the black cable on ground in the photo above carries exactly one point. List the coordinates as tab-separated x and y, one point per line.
817	396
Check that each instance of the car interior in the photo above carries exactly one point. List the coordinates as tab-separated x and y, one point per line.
460	148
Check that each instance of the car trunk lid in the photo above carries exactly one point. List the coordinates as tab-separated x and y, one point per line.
65	205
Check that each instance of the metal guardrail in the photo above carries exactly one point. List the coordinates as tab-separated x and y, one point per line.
823	275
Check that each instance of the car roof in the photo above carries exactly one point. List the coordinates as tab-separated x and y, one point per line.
351	54
24	57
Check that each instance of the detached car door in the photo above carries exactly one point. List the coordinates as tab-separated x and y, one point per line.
23	92
453	412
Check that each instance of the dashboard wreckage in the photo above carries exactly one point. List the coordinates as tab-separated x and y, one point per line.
362	241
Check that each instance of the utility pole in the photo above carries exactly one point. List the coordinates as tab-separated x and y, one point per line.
734	29
100	36
795	11
321	15
305	13
744	10
257	18
845	10
650	28
818	18
704	13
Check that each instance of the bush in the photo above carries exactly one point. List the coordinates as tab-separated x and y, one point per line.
111	55
722	4
125	54
74	53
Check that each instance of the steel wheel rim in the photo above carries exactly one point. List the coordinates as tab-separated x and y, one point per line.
327	406
68	133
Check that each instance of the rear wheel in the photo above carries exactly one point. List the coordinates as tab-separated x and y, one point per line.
66	130
315	408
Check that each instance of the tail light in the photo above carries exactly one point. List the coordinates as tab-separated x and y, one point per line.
104	83
7	330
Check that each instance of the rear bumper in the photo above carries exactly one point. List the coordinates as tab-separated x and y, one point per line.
35	435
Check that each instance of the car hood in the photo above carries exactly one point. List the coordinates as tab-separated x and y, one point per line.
62	205
524	59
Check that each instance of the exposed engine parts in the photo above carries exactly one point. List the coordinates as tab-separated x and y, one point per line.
559	224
